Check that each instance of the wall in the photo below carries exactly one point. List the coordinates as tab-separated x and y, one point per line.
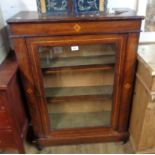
10	7
3	39
123	3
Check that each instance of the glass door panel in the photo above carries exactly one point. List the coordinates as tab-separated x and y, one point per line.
78	82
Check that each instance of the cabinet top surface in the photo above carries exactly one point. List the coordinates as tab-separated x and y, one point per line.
32	16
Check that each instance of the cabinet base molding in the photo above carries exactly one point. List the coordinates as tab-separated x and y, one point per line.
96	138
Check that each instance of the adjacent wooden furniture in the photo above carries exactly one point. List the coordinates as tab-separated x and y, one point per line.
78	74
142	126
13	121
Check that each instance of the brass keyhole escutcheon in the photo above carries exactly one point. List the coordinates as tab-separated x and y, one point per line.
127	86
29	91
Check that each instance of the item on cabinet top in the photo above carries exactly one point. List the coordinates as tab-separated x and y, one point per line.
65	7
54	7
89	7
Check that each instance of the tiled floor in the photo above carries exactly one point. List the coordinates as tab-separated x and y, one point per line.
100	148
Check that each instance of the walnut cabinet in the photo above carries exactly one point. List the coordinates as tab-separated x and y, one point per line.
78	74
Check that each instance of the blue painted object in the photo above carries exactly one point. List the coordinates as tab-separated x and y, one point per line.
55	7
65	7
86	6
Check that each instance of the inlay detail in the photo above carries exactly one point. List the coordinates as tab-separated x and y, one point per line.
77	28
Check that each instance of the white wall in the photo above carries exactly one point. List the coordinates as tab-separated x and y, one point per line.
7	9
11	7
123	3
3	40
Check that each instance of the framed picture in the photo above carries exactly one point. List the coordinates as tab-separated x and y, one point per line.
86	6
89	6
54	7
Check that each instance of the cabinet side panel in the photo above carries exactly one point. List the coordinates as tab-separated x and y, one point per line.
16	105
140	102
25	71
128	82
147	140
5	117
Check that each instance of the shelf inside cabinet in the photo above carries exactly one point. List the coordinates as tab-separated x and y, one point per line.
78	69
77	61
80	120
93	92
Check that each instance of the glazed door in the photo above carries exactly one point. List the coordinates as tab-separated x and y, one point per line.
78	81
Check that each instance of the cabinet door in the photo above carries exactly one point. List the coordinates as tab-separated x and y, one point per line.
78	80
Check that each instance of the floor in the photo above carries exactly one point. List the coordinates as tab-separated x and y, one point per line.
100	148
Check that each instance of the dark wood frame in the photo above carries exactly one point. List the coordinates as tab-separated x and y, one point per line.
30	33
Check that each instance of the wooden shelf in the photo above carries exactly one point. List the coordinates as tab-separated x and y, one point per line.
78	93
78	69
80	120
77	61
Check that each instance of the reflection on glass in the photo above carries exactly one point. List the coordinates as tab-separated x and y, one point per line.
78	82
